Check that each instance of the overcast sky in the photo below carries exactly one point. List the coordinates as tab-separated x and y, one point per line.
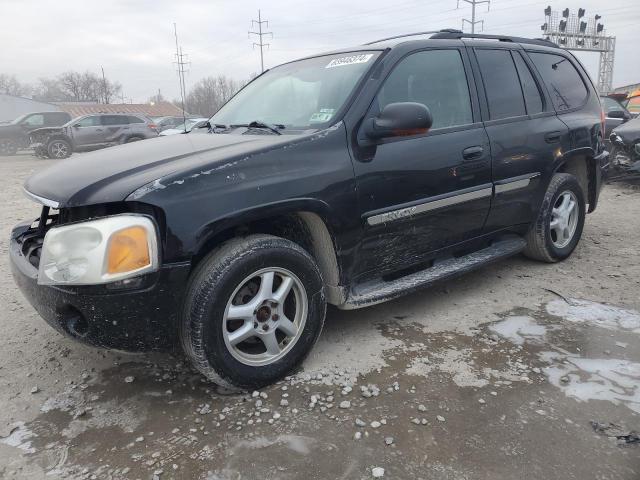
133	39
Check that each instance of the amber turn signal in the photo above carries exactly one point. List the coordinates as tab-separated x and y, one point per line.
128	250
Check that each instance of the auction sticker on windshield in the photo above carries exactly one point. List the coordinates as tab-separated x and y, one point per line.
339	62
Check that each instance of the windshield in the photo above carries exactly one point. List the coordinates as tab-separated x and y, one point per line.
19	119
303	94
611	105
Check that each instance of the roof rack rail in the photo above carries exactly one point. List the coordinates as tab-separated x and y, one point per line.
446	30
457	34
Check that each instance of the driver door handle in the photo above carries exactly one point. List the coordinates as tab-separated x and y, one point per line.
473	153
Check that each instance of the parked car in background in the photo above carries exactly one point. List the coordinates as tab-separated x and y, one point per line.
625	147
164	123
185	127
91	132
15	135
349	178
615	114
632	103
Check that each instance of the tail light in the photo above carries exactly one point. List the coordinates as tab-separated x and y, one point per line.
153	126
602	121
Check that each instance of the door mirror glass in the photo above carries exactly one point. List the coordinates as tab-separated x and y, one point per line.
399	119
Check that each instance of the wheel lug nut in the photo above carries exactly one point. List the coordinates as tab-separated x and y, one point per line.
255	324
265	327
275	317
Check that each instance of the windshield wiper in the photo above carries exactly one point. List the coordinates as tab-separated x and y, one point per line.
275	128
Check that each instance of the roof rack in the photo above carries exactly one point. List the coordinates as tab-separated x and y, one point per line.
446	30
457	34
453	34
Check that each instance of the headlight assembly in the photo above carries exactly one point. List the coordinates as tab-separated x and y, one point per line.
99	251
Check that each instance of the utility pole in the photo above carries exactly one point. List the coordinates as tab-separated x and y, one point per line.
260	34
181	71
104	86
473	20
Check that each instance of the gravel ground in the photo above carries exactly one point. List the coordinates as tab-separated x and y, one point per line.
494	375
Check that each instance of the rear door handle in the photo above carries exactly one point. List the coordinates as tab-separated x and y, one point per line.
552	137
473	153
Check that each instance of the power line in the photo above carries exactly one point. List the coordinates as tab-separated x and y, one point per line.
260	34
181	71
473	20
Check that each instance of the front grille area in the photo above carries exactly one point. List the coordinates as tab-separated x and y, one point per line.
31	240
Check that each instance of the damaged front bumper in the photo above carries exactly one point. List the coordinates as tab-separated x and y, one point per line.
136	316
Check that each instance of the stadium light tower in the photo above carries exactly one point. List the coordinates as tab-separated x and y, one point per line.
577	32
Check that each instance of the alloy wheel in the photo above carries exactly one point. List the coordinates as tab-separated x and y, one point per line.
564	219
265	316
59	149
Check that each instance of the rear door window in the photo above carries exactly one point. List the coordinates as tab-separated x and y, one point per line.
501	84
532	96
435	78
115	120
565	85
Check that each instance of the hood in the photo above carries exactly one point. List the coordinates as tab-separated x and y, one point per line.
629	131
111	174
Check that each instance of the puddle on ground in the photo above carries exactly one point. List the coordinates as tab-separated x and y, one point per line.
613	380
597	314
583	378
517	329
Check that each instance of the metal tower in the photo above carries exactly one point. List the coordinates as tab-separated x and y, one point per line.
576	32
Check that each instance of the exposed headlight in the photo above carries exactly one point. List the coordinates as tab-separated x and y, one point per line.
99	251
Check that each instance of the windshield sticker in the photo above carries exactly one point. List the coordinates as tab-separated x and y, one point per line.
324	115
351	60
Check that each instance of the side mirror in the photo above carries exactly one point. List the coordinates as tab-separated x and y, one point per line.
617	114
399	119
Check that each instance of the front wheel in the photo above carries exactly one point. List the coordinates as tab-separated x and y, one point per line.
59	148
253	310
558	228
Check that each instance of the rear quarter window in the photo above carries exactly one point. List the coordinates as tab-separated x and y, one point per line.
133	119
565	85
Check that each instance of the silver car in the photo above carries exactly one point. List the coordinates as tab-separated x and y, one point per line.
91	132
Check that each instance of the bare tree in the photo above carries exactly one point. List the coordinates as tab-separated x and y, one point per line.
209	94
77	87
10	85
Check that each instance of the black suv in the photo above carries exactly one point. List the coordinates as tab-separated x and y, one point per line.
349	178
15	135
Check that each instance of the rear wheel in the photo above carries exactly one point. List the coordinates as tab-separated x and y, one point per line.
253	310
558	227
133	139
59	148
8	147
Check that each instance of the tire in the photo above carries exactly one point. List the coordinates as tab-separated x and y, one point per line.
59	148
228	278
133	139
544	243
8	147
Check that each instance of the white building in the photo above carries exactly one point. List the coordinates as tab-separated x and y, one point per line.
12	107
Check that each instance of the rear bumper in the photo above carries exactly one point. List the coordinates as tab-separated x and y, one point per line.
142	318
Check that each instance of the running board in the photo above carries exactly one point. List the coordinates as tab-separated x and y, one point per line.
372	293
